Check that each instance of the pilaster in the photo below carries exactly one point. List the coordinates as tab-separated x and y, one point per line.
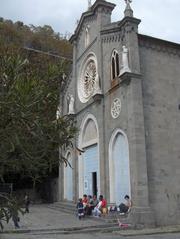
141	212
137	150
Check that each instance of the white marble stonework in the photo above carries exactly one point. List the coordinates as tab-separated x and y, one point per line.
116	108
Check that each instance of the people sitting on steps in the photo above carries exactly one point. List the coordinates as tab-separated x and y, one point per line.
125	207
101	207
90	205
80	208
95	201
85	203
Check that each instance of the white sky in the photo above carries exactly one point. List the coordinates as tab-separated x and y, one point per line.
160	18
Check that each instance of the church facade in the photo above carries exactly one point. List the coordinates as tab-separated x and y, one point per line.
124	92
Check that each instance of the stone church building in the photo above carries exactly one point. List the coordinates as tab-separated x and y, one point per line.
124	92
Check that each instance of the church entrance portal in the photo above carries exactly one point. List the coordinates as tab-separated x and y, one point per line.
91	170
119	168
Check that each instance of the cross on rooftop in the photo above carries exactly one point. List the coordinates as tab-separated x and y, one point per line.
89	4
128	1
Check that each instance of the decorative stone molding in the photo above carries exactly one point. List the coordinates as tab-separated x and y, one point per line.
88	80
115	108
126	77
111	38
114	82
117	33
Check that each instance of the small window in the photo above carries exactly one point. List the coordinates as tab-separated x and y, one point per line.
87	38
114	65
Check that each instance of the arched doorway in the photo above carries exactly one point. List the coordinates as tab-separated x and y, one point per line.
68	179
89	175
91	170
119	171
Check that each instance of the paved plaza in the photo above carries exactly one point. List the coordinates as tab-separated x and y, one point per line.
89	236
43	217
45	223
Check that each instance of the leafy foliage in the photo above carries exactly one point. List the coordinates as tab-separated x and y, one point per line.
30	83
39	38
30	134
8	208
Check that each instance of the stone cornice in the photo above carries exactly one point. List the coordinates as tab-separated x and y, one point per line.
91	12
129	19
87	105
159	44
122	80
116	31
112	37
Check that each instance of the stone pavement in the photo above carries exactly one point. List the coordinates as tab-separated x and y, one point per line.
43	220
42	217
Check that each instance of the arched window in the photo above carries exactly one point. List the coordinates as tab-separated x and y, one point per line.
114	65
119	167
87	39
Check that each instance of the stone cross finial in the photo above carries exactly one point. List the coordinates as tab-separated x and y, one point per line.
89	4
128	11
128	1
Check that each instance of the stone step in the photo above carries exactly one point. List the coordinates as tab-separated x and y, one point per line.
67	207
81	230
70	230
70	207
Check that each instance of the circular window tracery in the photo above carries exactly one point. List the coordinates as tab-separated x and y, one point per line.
88	78
116	108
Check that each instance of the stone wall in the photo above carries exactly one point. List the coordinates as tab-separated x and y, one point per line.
160	68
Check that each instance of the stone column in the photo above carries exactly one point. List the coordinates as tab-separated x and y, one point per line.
137	153
141	212
74	78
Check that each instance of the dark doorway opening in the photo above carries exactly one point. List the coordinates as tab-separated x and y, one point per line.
94	183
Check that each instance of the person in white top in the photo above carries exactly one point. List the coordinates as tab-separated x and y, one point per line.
124	207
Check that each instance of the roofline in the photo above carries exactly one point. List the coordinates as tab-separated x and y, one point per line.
90	13
158	40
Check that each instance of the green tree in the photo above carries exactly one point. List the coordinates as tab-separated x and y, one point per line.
30	134
37	37
30	83
8	207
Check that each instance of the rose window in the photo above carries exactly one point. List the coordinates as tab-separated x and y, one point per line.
88	77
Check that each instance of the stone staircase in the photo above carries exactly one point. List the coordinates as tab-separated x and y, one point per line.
67	207
110	218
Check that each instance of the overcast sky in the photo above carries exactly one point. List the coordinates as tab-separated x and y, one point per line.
160	18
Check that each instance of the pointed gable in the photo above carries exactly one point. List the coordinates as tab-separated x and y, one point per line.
96	9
